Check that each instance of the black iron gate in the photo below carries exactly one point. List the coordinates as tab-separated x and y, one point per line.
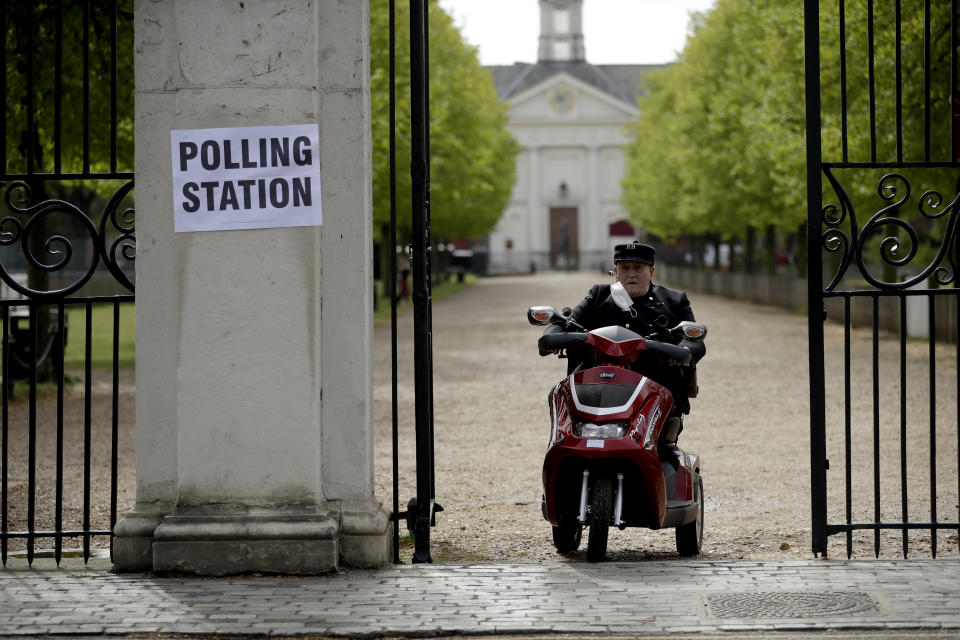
421	510
883	129
67	243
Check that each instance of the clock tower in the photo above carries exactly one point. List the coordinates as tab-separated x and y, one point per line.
561	31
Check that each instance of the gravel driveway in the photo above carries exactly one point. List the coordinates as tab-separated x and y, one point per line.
750	425
73	458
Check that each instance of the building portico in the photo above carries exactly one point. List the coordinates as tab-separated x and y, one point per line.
570	118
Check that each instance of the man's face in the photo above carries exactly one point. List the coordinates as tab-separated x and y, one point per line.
634	276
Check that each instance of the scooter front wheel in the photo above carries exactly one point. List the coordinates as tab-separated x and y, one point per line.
690	535
601	510
566	535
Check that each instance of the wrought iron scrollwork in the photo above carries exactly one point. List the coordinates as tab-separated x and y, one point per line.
58	251
122	221
896	249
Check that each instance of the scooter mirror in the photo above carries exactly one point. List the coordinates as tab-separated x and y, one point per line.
691	330
541	315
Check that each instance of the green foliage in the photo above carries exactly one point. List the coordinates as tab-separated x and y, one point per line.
60	123
31	58
473	157
720	142
440	290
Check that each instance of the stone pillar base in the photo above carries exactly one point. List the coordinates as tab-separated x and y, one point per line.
133	538
219	540
366	538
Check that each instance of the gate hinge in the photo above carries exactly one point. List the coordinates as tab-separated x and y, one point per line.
412	513
824	315
826	464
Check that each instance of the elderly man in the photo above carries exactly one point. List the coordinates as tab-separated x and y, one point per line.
653	308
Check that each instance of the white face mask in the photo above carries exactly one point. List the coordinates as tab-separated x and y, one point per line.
622	298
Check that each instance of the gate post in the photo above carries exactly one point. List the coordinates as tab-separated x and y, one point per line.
254	362
815	309
422	302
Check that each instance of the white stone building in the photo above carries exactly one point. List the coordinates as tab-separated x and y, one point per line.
570	117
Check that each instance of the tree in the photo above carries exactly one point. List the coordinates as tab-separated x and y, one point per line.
713	125
63	115
31	55
473	156
63	112
719	146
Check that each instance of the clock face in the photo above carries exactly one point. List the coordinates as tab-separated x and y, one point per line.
562	100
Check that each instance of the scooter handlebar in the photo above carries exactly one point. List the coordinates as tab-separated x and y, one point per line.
672	351
555	341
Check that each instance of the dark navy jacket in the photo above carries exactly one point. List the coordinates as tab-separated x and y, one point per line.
598	309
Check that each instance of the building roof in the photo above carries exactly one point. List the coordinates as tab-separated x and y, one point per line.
619	80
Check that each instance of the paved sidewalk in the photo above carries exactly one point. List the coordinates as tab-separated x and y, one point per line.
672	597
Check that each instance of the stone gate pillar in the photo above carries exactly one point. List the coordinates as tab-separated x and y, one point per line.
254	400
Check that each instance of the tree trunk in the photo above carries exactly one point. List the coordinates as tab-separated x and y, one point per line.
801	253
696	244
770	247
439	261
388	258
750	253
734	262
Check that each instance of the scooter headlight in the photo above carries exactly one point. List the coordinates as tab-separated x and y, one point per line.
609	430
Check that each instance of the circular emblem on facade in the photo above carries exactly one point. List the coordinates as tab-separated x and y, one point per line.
562	99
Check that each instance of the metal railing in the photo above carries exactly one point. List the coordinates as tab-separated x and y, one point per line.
67	92
31	357
902	144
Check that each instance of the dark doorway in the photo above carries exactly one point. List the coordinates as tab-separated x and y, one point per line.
564	249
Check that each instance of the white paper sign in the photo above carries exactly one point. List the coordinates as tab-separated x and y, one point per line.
246	177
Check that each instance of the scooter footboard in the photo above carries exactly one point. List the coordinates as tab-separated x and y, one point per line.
680	513
682	507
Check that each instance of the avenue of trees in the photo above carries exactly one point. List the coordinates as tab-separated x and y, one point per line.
719	151
472	155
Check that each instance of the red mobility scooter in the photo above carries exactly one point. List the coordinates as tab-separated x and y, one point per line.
613	458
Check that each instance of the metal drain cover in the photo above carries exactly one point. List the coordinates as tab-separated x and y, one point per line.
789	604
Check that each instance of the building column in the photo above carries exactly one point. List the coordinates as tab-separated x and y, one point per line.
254	401
593	224
536	241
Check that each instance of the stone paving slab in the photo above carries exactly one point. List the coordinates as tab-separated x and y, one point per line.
649	598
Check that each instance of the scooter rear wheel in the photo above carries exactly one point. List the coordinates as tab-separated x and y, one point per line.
601	510
690	535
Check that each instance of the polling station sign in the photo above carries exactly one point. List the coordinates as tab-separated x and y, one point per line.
246	177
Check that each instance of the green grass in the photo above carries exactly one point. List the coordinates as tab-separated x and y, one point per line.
101	346
440	291
101	337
